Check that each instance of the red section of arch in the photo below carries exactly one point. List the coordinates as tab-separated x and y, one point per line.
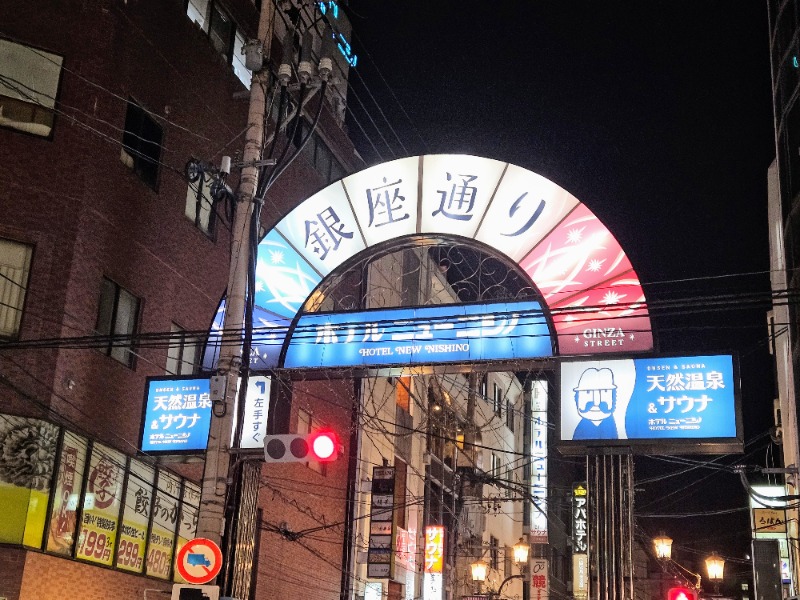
590	287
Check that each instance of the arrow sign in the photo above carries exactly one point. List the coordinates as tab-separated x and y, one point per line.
199	561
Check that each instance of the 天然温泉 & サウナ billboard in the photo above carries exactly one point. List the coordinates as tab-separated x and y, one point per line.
675	404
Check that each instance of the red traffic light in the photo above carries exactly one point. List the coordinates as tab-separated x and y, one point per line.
320	446
681	593
323	446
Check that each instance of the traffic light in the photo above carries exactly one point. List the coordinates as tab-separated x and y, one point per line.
681	593
319	446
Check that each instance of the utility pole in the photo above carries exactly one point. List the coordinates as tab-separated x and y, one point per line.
215	483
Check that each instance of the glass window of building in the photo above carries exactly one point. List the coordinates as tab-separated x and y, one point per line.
29	80
141	143
200	206
15	264
223	33
182	352
117	315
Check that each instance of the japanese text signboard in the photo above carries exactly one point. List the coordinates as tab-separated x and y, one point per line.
580	515
165	521
580	541
432	580
437	334
100	514
381	553
177	416
135	517
769	520
669	404
539	396
434	549
64	516
540	582
586	280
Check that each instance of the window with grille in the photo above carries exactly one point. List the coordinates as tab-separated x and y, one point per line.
15	264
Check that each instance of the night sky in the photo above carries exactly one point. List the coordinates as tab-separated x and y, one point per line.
656	115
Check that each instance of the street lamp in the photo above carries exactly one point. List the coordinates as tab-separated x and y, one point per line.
715	565
479	569
663	547
521	550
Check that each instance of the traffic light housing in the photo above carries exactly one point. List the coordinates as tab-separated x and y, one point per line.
319	446
681	593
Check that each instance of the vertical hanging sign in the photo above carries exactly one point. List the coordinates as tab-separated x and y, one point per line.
434	563
380	558
540	583
580	541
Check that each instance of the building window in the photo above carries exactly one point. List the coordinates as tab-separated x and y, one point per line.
496	465
29	80
494	553
141	144
15	265
510	415
117	315
403	393
498	400
306	424
318	154
182	352
226	38
200	207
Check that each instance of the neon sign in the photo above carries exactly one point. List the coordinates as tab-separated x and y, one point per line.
434	549
330	9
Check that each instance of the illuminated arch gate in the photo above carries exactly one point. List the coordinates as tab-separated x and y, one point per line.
594	302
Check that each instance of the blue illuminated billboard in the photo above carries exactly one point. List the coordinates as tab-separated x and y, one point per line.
417	336
667	405
177	415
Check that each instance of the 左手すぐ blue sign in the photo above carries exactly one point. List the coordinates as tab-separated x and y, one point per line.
428	335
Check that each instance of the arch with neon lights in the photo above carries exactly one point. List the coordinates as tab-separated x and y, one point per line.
591	291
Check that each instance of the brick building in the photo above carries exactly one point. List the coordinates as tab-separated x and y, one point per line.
101	105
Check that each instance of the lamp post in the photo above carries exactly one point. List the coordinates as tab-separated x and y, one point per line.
663	547
715	565
479	569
